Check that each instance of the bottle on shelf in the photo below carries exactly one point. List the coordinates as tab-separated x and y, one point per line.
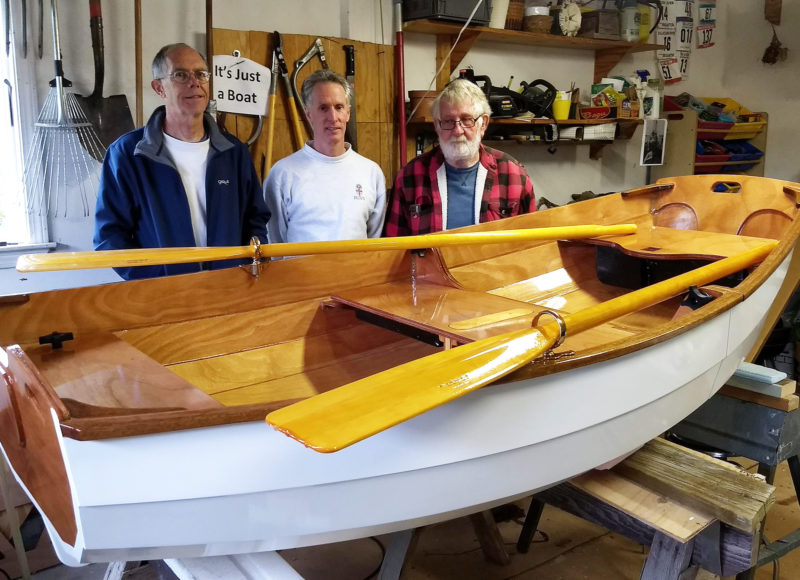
629	21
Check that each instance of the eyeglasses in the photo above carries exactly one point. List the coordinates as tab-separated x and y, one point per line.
182	77
450	124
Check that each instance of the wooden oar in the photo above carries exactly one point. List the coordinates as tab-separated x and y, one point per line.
338	418
158	256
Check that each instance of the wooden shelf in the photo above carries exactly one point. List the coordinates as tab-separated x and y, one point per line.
744	162
607	52
541	121
625	129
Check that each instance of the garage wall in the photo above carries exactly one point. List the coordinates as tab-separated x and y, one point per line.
732	68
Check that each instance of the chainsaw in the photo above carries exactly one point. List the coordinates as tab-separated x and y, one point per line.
504	102
536	97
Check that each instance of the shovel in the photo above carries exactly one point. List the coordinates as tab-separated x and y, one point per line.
110	116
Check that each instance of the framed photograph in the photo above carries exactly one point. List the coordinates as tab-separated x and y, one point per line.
654	140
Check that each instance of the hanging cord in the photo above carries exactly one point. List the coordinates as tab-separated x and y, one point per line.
445	60
655	5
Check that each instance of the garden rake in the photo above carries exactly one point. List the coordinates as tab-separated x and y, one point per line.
62	167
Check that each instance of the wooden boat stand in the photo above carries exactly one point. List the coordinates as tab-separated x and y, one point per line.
658	497
15	560
760	427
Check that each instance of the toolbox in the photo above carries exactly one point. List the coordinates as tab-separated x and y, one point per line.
451	10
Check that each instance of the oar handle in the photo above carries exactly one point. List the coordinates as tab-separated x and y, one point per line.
128	258
160	256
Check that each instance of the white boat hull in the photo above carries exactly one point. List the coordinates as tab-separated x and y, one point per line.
186	494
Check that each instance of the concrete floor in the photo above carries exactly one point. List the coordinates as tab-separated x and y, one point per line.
566	548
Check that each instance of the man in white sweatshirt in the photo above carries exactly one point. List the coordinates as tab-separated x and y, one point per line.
326	191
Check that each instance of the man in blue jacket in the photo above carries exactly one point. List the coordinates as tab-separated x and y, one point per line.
178	181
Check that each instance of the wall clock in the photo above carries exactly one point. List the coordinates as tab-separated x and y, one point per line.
569	19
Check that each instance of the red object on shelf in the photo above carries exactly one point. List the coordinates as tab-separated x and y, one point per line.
598	112
713	129
709	152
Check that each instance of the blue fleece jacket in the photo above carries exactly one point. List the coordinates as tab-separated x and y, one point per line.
142	202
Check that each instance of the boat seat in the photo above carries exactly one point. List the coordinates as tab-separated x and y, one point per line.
457	316
668	243
80	374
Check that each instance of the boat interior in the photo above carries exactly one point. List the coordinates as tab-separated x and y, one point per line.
269	355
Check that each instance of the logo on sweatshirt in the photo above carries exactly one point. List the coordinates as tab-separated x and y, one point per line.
359	196
223	181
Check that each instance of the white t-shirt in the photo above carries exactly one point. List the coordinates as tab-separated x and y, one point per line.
314	197
191	160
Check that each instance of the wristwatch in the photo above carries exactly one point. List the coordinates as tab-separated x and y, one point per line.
569	19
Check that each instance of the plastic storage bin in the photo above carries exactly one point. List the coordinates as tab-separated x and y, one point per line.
741	151
710	152
750	125
713	129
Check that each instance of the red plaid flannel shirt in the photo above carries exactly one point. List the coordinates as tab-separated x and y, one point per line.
416	204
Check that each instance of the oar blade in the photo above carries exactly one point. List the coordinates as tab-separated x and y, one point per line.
338	418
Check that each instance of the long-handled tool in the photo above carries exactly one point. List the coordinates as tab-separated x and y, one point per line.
316	49
7	18
110	116
401	87
340	417
350	74
137	41
10	102
273	89
41	29
297	126
160	256
24	28
62	157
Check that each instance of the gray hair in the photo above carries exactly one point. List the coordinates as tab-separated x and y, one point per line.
324	75
462	92
160	60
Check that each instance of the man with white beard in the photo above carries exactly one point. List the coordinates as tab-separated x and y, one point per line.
460	182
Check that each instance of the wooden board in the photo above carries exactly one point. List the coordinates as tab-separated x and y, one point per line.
788	403
375	93
660	512
713	487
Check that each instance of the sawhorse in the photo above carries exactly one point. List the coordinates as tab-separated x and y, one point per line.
758	427
699	532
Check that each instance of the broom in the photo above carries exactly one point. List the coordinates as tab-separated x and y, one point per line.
62	158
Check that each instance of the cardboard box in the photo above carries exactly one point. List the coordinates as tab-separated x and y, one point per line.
598	112
600	24
629	109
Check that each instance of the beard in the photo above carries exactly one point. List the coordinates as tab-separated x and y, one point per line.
460	149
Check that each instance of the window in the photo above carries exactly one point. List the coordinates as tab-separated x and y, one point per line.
17	118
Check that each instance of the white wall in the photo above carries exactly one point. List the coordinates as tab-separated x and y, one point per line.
732	68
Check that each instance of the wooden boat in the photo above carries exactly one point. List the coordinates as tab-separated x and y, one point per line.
144	436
